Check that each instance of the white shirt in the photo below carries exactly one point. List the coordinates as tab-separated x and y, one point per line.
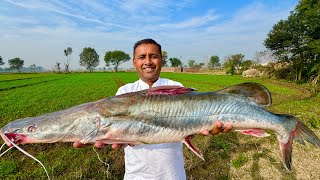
153	161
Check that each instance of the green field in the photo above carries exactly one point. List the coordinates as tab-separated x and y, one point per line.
228	156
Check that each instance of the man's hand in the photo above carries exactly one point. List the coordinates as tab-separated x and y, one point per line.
98	145
218	127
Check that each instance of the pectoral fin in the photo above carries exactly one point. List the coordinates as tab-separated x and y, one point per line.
256	132
188	143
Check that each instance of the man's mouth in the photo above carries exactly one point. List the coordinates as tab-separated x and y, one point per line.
148	69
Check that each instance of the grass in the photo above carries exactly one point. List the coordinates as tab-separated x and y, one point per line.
228	156
239	161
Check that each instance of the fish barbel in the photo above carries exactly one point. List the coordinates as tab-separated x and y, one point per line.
163	114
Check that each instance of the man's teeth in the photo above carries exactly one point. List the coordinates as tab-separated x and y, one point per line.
148	68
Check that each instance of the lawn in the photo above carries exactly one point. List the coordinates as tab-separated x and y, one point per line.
228	156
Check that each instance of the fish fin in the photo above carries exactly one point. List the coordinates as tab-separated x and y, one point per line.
169	90
118	141
300	133
254	91
195	150
256	132
286	152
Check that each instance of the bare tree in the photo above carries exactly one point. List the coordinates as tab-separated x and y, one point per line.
33	67
58	67
263	57
67	53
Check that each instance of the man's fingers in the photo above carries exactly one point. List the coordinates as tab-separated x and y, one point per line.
216	128
119	146
227	128
78	144
204	132
115	146
99	144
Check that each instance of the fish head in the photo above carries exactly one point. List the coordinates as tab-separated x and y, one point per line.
42	129
68	125
24	131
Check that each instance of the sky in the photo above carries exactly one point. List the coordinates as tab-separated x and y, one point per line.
38	31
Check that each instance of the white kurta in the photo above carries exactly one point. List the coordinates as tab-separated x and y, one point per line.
153	161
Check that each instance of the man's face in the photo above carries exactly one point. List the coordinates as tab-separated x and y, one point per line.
148	61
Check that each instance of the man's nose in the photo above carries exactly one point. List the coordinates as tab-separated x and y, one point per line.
147	60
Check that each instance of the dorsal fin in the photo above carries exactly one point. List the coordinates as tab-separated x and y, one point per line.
254	91
169	90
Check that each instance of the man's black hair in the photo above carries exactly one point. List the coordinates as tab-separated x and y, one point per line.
146	41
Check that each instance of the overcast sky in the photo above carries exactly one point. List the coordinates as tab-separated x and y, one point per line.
38	31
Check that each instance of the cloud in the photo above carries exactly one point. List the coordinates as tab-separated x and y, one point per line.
193	21
38	31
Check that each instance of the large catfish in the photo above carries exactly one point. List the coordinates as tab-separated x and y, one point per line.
163	114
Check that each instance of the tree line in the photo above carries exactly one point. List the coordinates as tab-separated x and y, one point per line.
294	41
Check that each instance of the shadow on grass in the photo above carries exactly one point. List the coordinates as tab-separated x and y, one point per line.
218	151
265	154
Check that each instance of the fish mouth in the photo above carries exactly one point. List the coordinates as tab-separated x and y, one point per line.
10	138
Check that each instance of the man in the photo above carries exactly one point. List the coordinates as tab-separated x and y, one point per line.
153	161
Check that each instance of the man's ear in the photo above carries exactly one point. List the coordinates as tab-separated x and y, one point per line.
133	62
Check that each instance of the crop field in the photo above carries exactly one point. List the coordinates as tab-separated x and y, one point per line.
228	156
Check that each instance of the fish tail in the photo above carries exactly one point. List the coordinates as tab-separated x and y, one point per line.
299	133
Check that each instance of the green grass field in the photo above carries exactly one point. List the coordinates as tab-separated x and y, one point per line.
228	156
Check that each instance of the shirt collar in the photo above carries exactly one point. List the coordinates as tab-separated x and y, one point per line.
146	86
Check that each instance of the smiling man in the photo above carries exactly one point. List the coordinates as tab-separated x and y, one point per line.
147	61
154	161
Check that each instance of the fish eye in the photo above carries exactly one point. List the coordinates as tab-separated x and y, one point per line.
32	128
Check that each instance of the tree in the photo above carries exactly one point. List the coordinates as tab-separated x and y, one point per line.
247	64
164	58
1	61
89	58
232	63
33	67
67	53
263	57
116	58
200	65
214	62
192	63
58	67
16	63
315	78
175	62
297	39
